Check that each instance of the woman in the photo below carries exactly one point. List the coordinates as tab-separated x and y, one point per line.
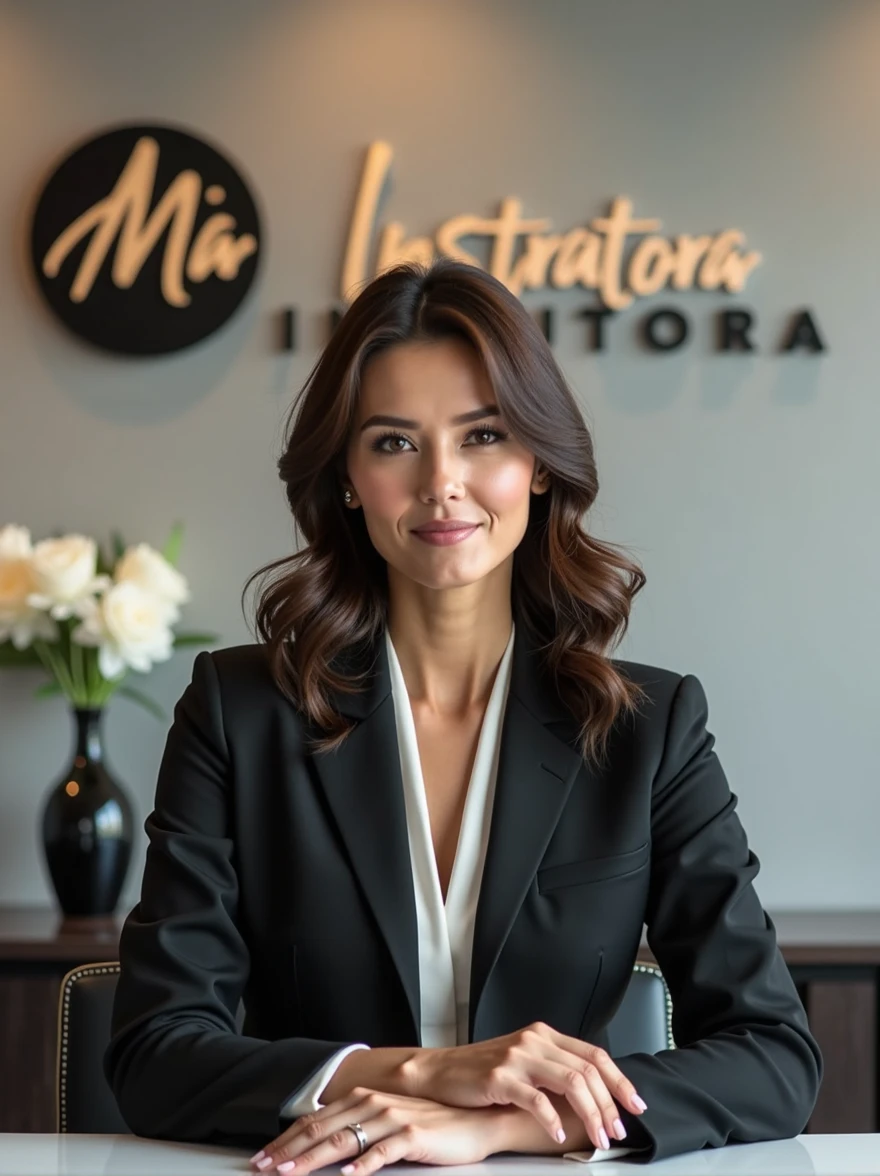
419	826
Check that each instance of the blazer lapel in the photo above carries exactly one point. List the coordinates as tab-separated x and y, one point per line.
363	786
536	770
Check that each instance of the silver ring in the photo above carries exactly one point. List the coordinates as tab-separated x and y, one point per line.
361	1137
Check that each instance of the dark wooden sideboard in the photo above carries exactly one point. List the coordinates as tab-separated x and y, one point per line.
37	948
834	958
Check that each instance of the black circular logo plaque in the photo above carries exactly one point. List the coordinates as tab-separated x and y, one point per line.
145	240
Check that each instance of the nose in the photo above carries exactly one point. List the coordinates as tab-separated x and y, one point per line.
440	474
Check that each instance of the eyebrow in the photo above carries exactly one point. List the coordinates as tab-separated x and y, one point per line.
405	423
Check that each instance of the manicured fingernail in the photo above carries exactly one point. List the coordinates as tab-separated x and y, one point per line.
603	1138
287	1166
261	1164
560	1136
640	1103
619	1129
258	1156
348	1168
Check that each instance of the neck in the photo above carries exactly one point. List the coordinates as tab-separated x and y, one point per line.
449	656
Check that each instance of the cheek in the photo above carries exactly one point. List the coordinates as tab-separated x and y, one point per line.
380	492
508	486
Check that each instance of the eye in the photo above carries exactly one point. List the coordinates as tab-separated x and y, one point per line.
379	443
496	435
490	431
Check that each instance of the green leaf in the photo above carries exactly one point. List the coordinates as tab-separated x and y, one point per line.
47	690
194	639
143	700
12	658
171	550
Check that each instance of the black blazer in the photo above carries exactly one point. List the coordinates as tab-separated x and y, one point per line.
283	878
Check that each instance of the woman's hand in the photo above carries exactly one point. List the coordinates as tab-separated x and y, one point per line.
397	1127
513	1068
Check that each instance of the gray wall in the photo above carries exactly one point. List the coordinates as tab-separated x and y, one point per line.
747	485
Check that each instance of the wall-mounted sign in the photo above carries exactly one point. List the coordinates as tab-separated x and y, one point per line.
145	239
526	255
618	256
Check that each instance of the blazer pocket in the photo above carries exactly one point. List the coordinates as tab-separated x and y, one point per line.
593	869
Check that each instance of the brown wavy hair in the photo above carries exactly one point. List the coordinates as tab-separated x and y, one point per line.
571	593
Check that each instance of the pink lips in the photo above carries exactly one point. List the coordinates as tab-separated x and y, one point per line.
445	532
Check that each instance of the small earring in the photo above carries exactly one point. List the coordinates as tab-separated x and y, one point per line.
347	496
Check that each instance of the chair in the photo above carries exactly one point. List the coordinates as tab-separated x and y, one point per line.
643	1021
85	1102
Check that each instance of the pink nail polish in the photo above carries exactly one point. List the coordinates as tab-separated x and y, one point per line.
264	1163
619	1129
258	1156
287	1166
603	1138
640	1103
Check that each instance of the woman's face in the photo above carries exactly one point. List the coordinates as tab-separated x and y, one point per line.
428	465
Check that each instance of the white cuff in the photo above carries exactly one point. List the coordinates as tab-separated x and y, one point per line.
305	1099
599	1154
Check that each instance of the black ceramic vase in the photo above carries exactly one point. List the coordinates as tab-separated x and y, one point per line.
87	826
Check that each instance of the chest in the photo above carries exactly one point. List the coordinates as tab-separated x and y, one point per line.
446	753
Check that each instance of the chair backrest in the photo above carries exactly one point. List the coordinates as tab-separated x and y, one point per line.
85	1102
643	1021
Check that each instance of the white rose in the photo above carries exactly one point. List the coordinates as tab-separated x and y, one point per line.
130	626
20	621
64	575
15	542
148	568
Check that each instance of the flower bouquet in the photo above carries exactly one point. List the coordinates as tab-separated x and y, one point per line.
88	619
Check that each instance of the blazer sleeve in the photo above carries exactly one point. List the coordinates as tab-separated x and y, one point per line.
746	1067
176	1063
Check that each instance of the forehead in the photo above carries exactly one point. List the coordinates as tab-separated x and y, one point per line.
428	374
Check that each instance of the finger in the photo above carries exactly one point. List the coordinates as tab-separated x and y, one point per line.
308	1130
598	1085
568	1081
340	1145
571	1082
613	1124
399	1146
616	1081
530	1099
343	1142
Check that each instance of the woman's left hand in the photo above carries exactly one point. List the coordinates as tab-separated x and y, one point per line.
397	1127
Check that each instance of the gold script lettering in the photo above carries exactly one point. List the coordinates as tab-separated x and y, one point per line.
123	215
652	262
592	258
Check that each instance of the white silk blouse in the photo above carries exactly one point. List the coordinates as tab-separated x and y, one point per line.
445	930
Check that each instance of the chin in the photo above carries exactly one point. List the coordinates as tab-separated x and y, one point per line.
449	577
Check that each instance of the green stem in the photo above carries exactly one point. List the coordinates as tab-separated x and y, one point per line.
58	670
95	678
77	669
110	689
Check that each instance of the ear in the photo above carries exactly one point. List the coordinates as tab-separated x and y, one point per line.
540	480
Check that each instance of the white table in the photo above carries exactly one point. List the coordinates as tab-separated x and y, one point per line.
127	1155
